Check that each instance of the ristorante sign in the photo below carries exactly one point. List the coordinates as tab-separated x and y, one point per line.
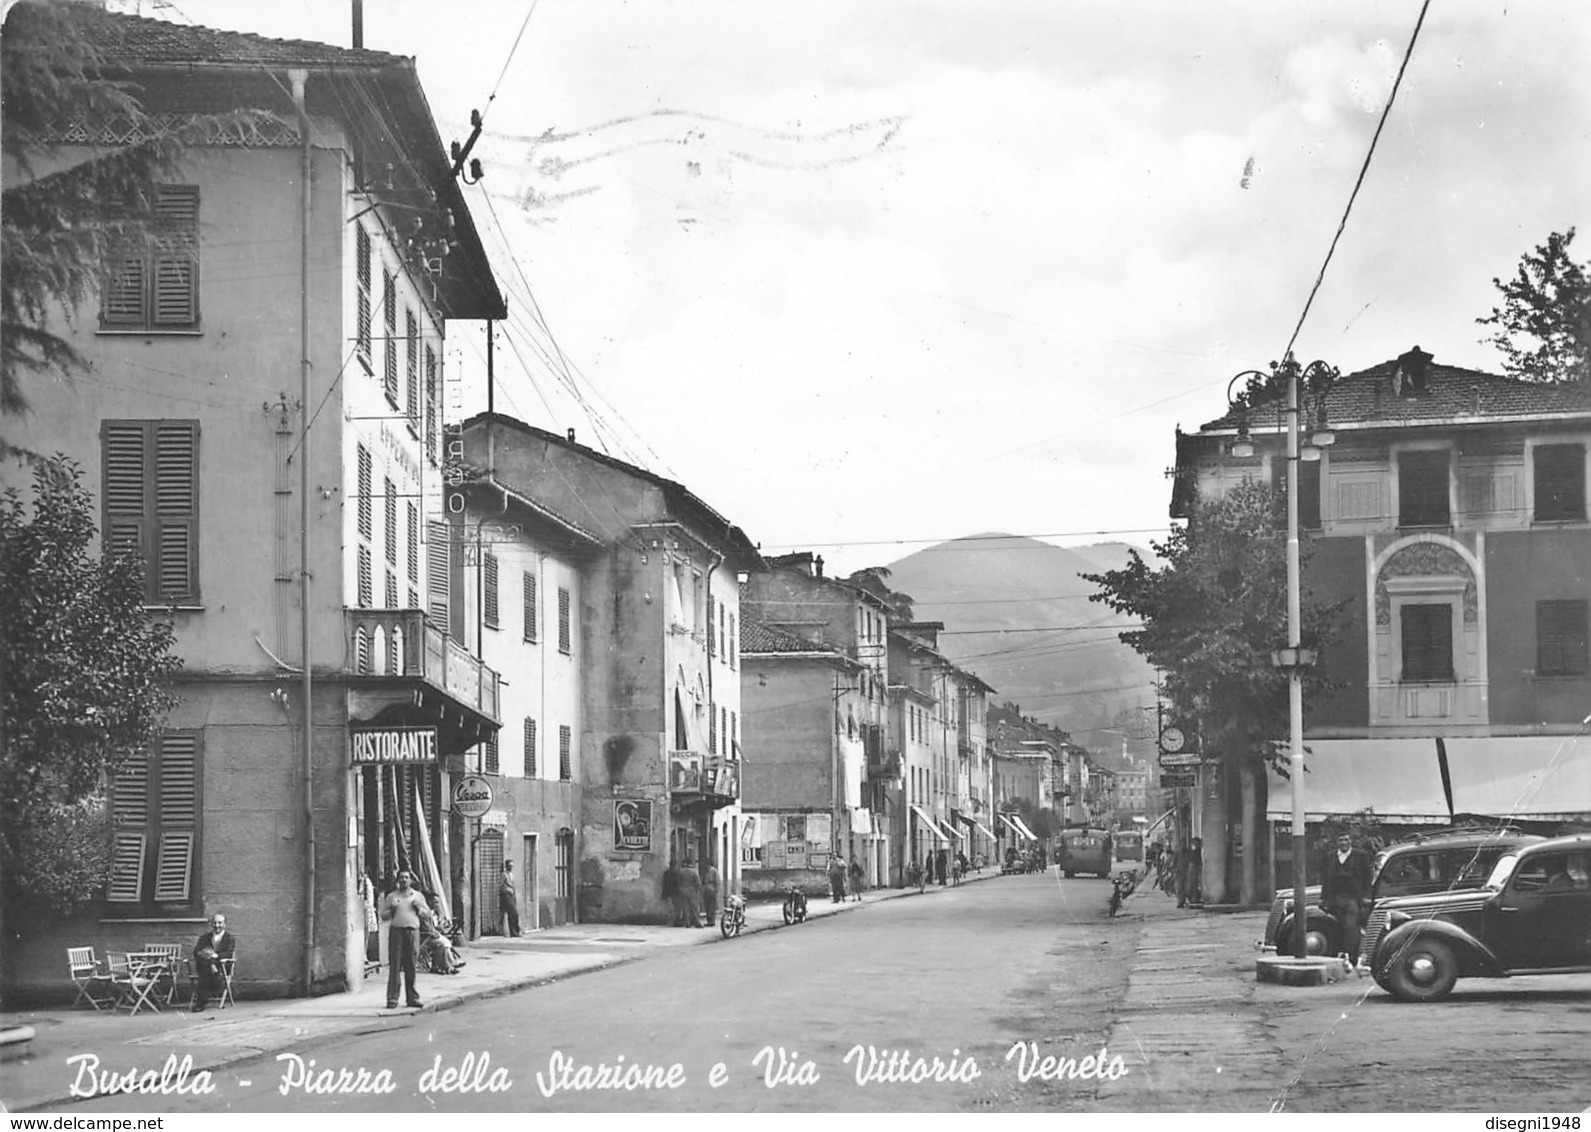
395	746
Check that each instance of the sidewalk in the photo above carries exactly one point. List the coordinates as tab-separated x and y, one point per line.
494	966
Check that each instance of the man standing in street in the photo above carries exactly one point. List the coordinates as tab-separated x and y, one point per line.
1345	890
710	882
508	899
403	909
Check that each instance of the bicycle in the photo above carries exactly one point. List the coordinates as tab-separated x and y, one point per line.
795	905
915	876
733	918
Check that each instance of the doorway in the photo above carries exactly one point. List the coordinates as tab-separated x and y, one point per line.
488	879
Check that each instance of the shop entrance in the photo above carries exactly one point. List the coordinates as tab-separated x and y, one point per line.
563	909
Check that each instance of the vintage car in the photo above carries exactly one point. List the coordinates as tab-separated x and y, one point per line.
1531	917
1429	862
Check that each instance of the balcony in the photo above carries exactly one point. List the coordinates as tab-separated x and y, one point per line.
403	649
709	779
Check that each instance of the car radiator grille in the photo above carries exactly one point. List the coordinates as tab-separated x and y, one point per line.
1374	929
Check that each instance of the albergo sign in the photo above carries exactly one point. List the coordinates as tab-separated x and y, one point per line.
392	746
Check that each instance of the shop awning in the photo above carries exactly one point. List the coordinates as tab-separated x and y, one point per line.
985	830
933	827
1529	777
1022	827
1400	779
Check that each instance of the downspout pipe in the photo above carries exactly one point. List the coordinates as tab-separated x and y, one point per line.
298	78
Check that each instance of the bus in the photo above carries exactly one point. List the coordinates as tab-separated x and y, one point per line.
1085	850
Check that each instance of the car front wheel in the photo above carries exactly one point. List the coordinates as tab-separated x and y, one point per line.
1421	970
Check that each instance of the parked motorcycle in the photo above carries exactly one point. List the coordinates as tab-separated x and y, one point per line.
733	918
795	904
1122	885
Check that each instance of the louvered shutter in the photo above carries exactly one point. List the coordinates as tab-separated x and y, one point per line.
390	519
122	295
363	504
177	511
437	571
362	326
413	545
176	256
411	356
489	598
530	606
564	616
179	818
712	641
130	820
122	447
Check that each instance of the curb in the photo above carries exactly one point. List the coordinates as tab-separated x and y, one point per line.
1290	971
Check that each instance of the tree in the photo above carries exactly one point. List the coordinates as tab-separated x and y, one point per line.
1211	618
85	676
1544	324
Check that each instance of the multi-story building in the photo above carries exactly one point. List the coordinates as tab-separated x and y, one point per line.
285	533
514	595
1450	518
656	746
801	614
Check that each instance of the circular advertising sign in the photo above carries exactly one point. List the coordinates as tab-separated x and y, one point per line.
472	796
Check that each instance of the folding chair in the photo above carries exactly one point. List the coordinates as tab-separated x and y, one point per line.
93	985
174	961
135	975
228	964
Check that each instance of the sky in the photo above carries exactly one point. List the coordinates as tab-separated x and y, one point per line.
865	277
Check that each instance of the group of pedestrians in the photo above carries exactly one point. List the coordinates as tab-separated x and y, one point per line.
692	891
840	876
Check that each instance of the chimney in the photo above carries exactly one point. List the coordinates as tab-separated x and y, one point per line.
817	565
571	435
359	24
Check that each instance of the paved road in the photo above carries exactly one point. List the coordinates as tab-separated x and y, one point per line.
961	977
1030	962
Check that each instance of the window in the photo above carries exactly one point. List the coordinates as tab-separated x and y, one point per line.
365	477
392	591
530	747
712	730
152	280
530	607
366	596
438	570
1308	491
1560	482
723	631
734	735
565	643
732	640
411	370
430	403
565	753
489	588
489	762
390	515
1561	639
414	544
1427	642
389	314
151	501
1422	488
155	807
362	270
712	641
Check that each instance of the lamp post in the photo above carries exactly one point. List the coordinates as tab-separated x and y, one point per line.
1317	378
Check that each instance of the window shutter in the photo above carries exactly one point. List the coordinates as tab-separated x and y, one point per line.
565	753
413	545
489	566
389	513
174	868
362	267
130	819
437	562
564	634
712	645
176	258
122	296
430	403
392	591
530	606
177	510
412	366
366	586
124	495
733	640
389	304
530	747
365	478
126	868
490	754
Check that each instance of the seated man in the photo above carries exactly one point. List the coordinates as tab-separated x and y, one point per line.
213	946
